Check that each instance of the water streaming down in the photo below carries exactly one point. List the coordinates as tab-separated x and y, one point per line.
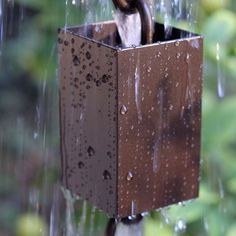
220	74
180	226
54	228
71	229
129	27
92	221
174	11
130	230
138	89
127	42
158	131
166	11
42	126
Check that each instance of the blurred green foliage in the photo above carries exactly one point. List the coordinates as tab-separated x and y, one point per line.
31	52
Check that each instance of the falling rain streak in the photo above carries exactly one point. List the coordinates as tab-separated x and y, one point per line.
127	26
220	74
138	92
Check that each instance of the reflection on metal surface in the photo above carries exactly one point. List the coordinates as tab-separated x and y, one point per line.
102	135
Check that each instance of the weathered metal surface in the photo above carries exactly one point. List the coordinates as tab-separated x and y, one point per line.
130	118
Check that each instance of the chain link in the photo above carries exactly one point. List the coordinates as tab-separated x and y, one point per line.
132	6
126	6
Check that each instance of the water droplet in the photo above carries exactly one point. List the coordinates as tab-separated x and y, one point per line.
88	55
80	165
220	73
109	154
180	226
98	83
165	216
178	55
177	43
195	43
106	175
145	214
36	135
89	77
105	78
60	41
149	69
90	151
129	176
181	204
123	110
159	54
76	61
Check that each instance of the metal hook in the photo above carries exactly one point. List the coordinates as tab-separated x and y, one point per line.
126	6
146	21
130	7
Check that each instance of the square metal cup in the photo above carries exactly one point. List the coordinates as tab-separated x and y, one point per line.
130	118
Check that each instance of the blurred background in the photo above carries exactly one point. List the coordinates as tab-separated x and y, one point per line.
31	199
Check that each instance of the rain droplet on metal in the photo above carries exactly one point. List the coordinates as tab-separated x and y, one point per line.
106	175
123	110
80	165
149	69
90	151
129	176
76	61
177	43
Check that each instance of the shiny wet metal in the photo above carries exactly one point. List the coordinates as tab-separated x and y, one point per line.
130	118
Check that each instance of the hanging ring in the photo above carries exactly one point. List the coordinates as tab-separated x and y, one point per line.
147	26
132	6
126	6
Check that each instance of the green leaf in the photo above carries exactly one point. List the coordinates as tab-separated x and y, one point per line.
220	27
208	101
153	227
231	66
231	185
212	5
232	230
217	222
219	125
207	197
191	212
33	3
